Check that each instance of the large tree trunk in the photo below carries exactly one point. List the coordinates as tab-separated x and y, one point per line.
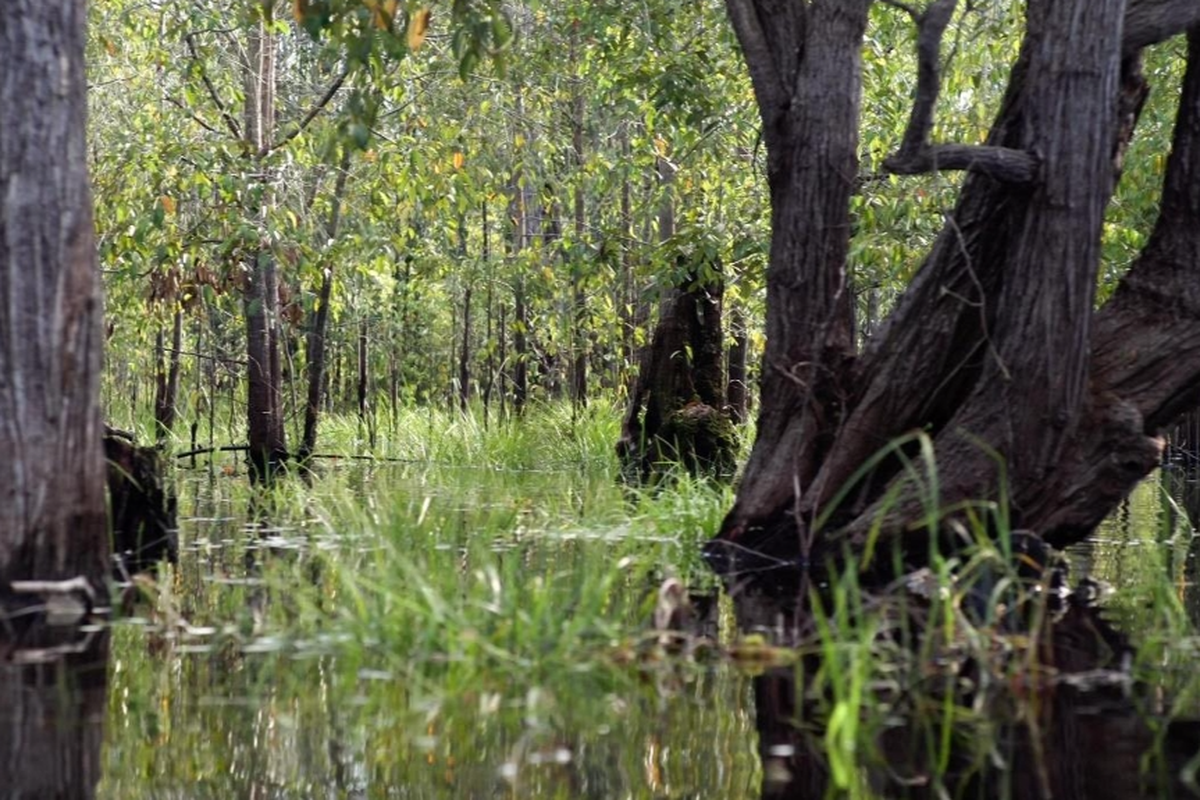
992	351
52	518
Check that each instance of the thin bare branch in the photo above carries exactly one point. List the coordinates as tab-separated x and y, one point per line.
230	122
317	108
175	101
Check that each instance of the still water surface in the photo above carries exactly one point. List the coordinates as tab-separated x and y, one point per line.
259	667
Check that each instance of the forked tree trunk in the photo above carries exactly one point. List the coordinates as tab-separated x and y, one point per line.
1025	393
52	518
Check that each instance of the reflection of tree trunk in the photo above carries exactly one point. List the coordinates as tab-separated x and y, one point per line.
1052	739
52	723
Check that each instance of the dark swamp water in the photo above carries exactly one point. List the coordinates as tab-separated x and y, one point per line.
432	632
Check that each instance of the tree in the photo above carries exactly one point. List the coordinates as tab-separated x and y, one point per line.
1024	392
52	517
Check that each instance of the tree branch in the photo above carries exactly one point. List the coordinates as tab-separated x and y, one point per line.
175	101
916	155
1148	22
931	25
905	7
1003	164
760	60
230	122
317	108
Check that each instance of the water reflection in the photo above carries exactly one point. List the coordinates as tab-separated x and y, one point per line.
1076	728
237	691
52	713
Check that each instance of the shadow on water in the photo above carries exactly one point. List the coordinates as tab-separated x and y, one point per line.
52	712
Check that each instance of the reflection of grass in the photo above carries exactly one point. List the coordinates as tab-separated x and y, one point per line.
456	630
463	629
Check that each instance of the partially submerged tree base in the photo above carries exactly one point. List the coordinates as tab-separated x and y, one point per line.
676	412
141	505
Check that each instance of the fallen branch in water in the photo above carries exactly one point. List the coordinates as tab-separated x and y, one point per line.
242	448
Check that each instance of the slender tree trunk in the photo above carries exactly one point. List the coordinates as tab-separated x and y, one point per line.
320	321
579	337
268	444
737	390
166	394
464	358
362	393
518	213
52	517
489	366
627	298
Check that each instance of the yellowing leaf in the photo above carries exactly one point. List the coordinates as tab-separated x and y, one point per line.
458	160
168	203
519	140
109	47
417	28
660	146
383	13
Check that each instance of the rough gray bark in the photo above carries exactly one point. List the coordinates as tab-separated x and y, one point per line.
805	63
993	349
52	518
